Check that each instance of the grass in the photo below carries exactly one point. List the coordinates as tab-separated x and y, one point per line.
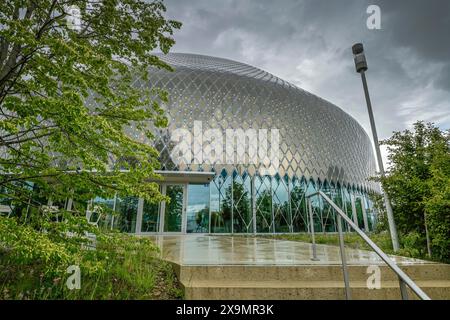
126	278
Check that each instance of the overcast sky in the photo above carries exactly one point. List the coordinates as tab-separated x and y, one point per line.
308	43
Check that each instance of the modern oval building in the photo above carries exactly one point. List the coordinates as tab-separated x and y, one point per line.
242	150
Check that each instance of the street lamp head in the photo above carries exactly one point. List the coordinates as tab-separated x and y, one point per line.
358	48
360	58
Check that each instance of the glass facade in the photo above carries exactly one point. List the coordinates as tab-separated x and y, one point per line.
320	148
241	204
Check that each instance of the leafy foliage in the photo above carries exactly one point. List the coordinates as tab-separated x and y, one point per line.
437	205
76	123
34	263
418	184
67	95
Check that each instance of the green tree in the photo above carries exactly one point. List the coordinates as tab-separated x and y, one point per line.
418	185
437	205
69	88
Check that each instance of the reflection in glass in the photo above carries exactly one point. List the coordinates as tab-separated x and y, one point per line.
242	204
150	217
316	204
197	218
220	205
280	205
347	207
174	209
371	214
359	212
327	214
264	221
226	205
126	209
107	208
298	205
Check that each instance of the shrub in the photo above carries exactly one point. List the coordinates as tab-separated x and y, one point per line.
34	262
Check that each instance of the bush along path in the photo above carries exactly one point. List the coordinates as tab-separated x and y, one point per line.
42	261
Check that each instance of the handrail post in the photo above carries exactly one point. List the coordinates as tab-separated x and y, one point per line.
403	289
348	295
405	280
311	228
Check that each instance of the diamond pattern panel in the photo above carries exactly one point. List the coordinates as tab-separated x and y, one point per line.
317	139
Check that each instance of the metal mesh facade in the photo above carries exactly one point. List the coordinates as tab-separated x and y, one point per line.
320	148
318	141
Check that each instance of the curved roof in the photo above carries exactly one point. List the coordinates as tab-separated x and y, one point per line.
317	139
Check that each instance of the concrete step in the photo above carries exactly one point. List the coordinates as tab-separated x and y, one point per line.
306	290
427	271
305	281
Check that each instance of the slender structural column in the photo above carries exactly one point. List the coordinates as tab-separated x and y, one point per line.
364	212
354	213
361	67
311	228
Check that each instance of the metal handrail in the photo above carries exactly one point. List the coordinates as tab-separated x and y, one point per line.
404	279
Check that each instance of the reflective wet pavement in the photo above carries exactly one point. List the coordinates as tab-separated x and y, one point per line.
240	250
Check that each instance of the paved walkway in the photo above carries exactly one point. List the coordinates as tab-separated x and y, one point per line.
239	250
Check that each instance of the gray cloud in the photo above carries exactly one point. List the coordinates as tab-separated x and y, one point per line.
309	43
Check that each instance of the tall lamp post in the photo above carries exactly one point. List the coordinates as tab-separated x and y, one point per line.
361	67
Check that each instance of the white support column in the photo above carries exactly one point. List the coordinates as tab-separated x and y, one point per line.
354	213
140	209
344	208
364	212
184	210
114	210
69	204
163	209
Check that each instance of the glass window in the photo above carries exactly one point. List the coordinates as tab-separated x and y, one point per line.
150	217
264	221
316	204
359	211
280	201
221	204
198	208
126	209
242	204
328	214
297	190
347	207
371	213
173	212
107	208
